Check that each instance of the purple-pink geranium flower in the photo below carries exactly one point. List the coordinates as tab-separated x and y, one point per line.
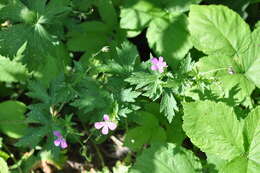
158	64
60	141
106	125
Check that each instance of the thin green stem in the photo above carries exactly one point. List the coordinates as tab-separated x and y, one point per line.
12	157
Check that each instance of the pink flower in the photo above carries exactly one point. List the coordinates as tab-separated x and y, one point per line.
106	125
158	64
60	141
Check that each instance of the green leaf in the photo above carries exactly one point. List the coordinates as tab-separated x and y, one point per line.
252	138
180	6
37	91
107	12
132	19
3	166
218	30
91	96
136	14
243	164
32	137
127	95
148	132
169	37
214	128
88	36
12	71
214	163
251	59
12	120
228	73
166	159
168	105
125	61
150	84
141	79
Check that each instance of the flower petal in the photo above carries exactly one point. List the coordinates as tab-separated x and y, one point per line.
160	70
164	64
57	133
154	67
57	142
105	117
105	130
160	59
99	125
111	125
63	143
154	60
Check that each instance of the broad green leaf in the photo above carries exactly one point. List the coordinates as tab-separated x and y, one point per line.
251	59
214	128
179	6
252	137
243	164
148	132
3	166
12	71
136	15
168	105
169	37
215	29
174	131
214	163
228	73
132	19
12	120
166	159
88	36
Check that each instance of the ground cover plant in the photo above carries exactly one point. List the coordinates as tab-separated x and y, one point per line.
129	86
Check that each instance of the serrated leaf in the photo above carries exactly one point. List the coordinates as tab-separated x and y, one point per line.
32	137
251	59
214	128
166	159
91	96
252	138
12	71
37	91
141	79
124	62
12	120
226	70
107	12
168	105
215	29
127	95
169	37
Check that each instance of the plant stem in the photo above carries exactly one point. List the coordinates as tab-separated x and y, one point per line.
12	157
